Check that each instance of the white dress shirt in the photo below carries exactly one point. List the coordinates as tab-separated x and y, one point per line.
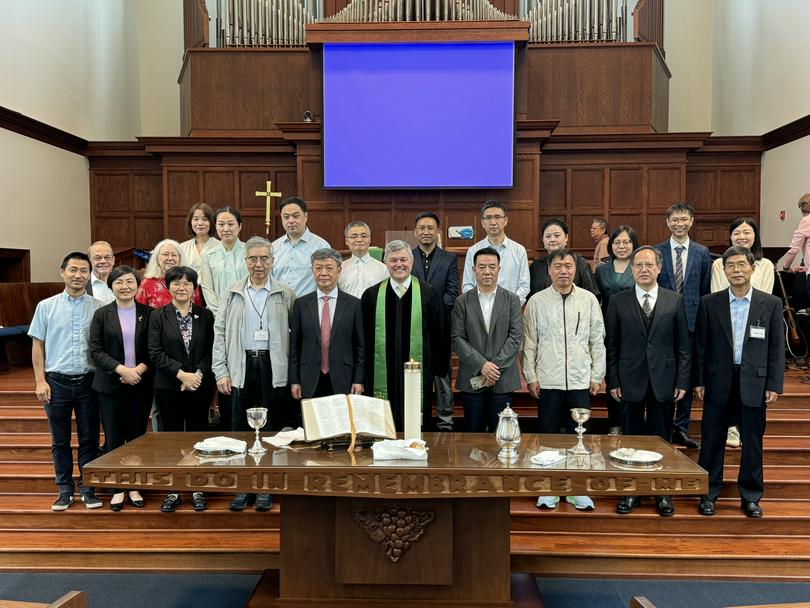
191	257
487	301
406	284
684	254
332	295
358	274
101	292
653	293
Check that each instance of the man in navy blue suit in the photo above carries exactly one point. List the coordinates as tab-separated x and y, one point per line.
687	270
439	269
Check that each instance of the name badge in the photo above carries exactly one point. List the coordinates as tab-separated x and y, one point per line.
758	332
262	335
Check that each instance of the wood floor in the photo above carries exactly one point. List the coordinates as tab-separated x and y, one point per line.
563	542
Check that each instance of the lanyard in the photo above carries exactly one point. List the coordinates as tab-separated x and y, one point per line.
253	304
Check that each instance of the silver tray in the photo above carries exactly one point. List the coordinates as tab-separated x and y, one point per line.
636	458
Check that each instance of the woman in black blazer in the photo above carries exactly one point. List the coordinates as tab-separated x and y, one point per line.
119	347
181	337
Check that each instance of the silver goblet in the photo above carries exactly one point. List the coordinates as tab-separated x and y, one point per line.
580	416
257	418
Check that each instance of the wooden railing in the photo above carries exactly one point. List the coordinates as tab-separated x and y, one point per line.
648	22
195	24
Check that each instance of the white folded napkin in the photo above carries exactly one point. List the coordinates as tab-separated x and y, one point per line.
221	444
232	459
399	449
283	438
547	457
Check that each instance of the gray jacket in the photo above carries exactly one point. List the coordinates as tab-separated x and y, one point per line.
228	359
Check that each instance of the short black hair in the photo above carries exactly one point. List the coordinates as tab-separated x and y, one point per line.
756	248
562	252
739	250
486	251
681	208
294	200
120	271
492	203
429	214
76	255
181	272
231	210
555	221
615	234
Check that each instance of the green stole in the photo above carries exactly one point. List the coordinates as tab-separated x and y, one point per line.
380	367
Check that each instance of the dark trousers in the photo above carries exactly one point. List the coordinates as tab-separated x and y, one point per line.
614	409
713	430
68	398
554	407
324	388
683	408
124	414
258	391
481	409
658	419
184	410
225	405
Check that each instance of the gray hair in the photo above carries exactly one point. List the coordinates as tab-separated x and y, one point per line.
326	253
255	242
739	250
153	271
355	224
659	259
397	245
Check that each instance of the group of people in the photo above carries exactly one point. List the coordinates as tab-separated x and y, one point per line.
270	323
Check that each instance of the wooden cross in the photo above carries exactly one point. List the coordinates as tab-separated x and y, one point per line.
268	195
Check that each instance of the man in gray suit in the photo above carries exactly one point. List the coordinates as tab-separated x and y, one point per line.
327	353
487	334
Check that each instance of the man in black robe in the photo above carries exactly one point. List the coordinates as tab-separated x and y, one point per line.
399	329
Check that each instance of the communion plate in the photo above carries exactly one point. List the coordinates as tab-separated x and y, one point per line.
632	456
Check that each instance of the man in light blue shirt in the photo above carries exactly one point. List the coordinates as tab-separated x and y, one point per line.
64	376
739	317
514	274
294	250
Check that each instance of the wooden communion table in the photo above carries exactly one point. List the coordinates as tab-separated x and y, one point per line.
396	533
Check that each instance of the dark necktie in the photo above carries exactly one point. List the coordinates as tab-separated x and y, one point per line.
646	306
679	268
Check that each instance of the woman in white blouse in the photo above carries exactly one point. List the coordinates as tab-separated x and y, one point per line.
200	226
744	232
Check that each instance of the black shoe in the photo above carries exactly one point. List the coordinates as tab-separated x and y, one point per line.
751	509
138	504
239	502
90	500
664	506
681	438
117	506
64	500
264	502
198	502
628	504
170	503
706	506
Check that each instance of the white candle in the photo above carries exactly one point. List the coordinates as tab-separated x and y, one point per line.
413	400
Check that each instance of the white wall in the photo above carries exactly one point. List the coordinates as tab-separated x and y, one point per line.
784	179
44	202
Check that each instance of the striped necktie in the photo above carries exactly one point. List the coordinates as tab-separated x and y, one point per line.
679	268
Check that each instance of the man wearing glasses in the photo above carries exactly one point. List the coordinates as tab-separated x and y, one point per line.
103	260
251	347
360	271
514	274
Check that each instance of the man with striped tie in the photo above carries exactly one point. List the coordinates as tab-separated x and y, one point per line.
687	270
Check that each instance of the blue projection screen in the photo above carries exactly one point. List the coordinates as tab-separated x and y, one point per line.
418	115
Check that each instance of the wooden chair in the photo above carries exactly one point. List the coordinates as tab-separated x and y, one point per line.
73	599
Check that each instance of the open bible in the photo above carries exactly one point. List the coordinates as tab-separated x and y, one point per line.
347	415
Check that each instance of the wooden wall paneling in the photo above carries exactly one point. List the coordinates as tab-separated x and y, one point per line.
219	187
626	189
148	231
659	111
665	185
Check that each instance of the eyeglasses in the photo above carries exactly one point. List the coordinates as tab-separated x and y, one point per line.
99	258
252	259
358	237
496	218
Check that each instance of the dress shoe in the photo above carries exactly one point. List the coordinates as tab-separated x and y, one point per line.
733	438
136	502
751	509
664	506
170	503
706	506
264	502
239	502
681	438
117	502
628	504
198	502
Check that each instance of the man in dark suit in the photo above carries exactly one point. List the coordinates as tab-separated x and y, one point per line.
439	269
648	357
740	368
687	270
487	335
327	354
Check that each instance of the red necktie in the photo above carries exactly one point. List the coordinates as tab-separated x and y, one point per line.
326	330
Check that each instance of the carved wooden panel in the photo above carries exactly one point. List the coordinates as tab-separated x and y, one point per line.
147	193
111	192
664	186
218	187
183	190
587	189
626	189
